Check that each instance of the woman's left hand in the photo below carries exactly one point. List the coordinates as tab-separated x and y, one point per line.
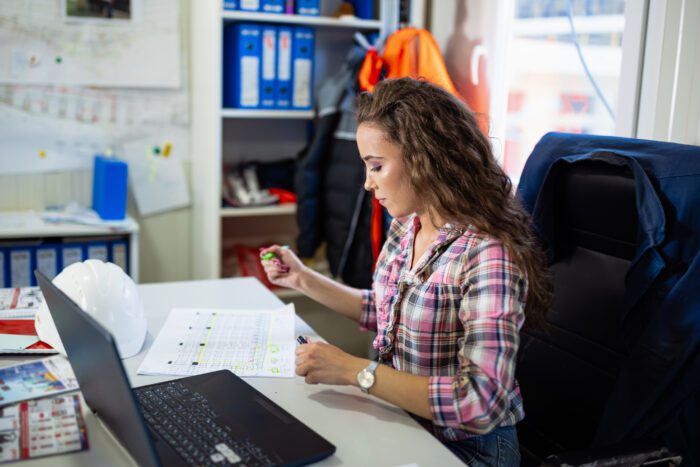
324	363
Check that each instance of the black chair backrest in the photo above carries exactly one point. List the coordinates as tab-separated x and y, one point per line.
566	372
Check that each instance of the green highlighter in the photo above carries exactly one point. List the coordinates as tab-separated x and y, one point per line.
270	255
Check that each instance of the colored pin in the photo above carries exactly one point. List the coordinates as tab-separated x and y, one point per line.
42	154
166	149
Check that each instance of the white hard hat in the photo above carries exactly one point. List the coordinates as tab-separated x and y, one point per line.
109	295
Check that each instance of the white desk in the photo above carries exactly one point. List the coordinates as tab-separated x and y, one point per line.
365	430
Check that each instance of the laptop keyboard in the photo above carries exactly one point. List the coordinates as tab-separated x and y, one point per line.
186	421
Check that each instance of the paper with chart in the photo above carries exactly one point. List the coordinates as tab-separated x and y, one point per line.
247	342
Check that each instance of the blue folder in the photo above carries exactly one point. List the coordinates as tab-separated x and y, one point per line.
231	5
119	254
97	250
21	265
71	253
302	68
283	91
3	268
242	47
307	7
47	260
268	73
272	6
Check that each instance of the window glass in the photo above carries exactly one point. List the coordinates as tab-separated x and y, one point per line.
549	87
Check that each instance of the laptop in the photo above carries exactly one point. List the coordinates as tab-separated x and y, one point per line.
210	419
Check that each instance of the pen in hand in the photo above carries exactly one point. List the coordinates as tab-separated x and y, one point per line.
302	340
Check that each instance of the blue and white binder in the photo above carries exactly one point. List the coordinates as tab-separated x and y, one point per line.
269	67
3	268
21	267
272	6
47	259
231	5
307	7
249	5
119	254
71	253
283	91
97	250
242	47
302	68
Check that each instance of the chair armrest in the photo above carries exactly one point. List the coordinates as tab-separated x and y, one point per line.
629	454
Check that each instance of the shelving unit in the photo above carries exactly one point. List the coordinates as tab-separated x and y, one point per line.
38	230
230	136
254	113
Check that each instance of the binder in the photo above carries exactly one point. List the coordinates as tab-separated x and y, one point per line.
97	250
21	267
283	91
71	253
231	5
46	259
269	65
3	267
272	6
119	254
302	68
307	7
242	44
249	5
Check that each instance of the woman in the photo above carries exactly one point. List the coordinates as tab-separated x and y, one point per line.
457	276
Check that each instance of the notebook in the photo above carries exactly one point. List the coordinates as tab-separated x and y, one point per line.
213	418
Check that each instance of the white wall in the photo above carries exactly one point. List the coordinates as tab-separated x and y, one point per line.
165	239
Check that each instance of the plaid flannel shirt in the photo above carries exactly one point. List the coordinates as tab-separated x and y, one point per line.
454	318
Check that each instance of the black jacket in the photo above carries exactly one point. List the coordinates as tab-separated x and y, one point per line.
333	206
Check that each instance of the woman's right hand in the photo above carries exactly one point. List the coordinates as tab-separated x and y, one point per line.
284	269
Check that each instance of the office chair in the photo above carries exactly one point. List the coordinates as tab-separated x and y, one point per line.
566	372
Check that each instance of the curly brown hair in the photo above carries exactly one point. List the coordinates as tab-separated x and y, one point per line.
451	164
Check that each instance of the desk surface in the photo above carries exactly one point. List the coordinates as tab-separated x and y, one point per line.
365	430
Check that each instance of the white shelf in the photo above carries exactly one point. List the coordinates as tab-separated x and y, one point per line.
316	21
276	210
258	113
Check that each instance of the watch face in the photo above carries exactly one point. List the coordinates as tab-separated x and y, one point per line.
365	379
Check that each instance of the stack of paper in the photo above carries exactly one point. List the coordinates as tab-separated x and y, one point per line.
18	308
37	419
247	342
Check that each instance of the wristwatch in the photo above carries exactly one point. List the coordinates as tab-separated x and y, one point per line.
365	378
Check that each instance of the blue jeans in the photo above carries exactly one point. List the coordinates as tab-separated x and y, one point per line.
497	448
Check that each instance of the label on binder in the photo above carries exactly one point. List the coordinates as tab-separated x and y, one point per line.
250	5
71	254
285	61
2	269
46	261
250	81
302	83
119	255
20	268
269	46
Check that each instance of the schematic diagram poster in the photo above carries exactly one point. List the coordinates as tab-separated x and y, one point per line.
49	42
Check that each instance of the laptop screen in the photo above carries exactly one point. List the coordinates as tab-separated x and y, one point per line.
98	368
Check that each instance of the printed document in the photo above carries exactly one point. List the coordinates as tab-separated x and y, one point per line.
247	342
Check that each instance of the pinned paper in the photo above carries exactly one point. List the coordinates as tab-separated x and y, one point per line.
158	183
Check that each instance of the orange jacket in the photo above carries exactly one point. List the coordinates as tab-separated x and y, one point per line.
408	52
